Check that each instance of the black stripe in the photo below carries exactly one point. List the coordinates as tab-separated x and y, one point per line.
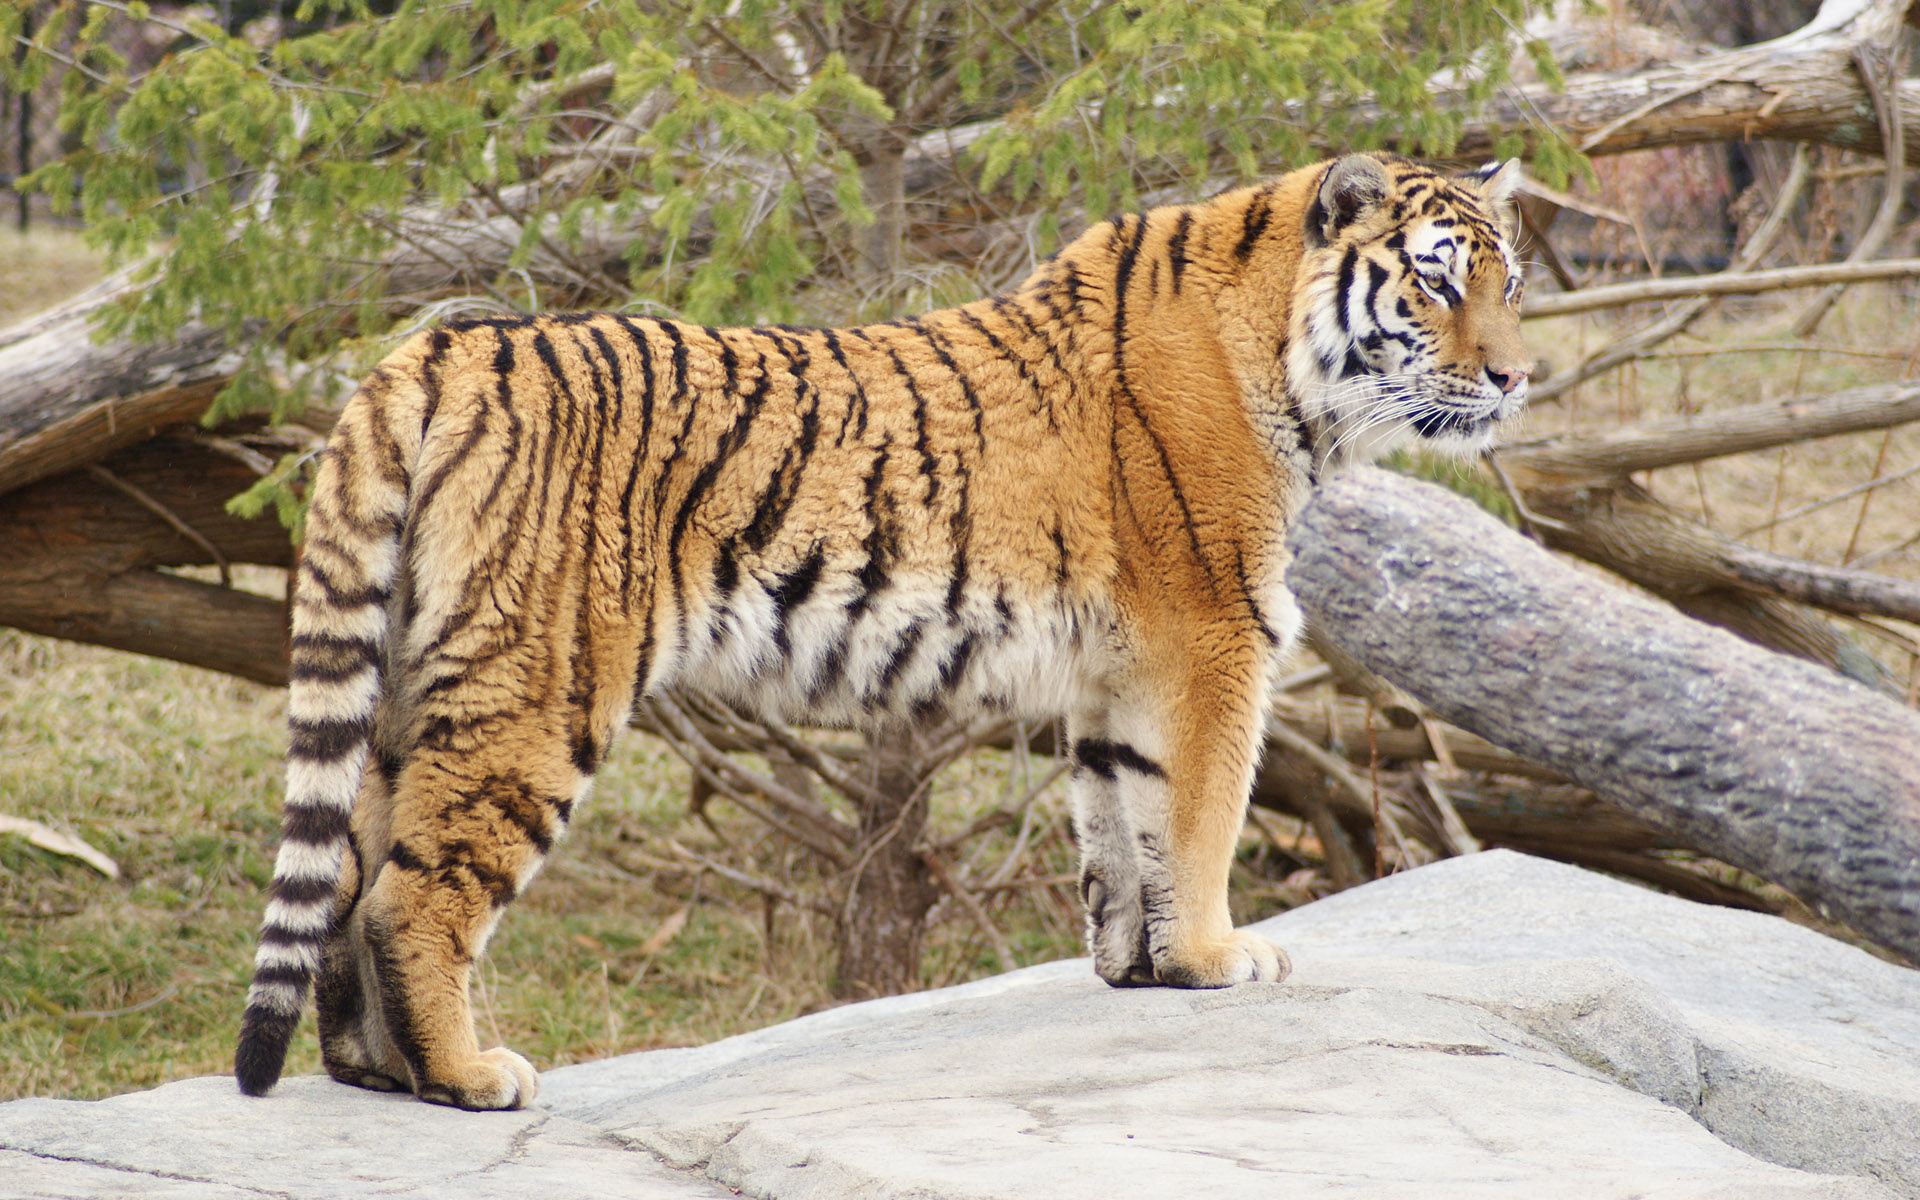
393	992
1004	352
929	466
897	660
282	974
1104	758
726	569
1177	247
299	890
879	543
503	358
1122	271
960	526
1259	212
1348	262
793	590
1377	276
326	741
1011	312
730	443
783	487
637	462
325	658
517	803
312	824
859	394
658	564
438	345
586	754
584	673
336	595
955	668
402	856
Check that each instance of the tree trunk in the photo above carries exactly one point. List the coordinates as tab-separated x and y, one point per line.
1800	88
890	891
67	400
1765	762
78	552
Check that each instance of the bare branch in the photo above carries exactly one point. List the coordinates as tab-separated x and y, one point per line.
1604	455
1880	72
1639	342
943	875
1724	284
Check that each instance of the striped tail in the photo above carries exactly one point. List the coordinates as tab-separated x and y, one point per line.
341	596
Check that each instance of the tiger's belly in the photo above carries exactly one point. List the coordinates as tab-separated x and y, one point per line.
910	649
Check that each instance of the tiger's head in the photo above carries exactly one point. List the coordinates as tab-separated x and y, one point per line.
1406	318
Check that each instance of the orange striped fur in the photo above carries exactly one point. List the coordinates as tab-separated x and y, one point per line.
1067	501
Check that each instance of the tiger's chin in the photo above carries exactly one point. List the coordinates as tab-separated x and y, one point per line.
1455	432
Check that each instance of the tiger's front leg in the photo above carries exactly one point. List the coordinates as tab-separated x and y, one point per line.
1161	781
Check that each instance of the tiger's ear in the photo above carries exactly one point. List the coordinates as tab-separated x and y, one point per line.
1498	183
1352	187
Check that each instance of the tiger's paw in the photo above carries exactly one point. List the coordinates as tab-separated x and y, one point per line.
1116	933
347	1057
1240	957
494	1079
360	1077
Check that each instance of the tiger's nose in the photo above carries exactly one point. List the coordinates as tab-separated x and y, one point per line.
1507	377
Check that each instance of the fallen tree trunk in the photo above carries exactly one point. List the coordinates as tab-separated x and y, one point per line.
1804	87
67	399
1765	762
79	555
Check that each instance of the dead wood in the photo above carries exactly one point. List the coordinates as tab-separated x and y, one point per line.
67	400
1804	87
1600	456
1726	283
1769	764
79	560
1576	491
1761	597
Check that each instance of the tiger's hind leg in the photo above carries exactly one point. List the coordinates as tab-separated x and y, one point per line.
354	1046
473	818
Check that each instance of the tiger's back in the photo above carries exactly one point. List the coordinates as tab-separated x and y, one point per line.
1067	501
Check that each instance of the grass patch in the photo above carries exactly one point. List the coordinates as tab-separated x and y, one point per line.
44	266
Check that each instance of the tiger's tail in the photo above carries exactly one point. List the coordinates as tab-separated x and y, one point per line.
342	593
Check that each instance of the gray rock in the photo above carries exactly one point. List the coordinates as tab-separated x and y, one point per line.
1488	1026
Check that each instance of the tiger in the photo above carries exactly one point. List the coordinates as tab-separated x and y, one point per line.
1066	502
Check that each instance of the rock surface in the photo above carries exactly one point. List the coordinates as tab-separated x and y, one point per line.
1487	1026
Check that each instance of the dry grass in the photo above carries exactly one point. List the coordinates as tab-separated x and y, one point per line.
42	268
